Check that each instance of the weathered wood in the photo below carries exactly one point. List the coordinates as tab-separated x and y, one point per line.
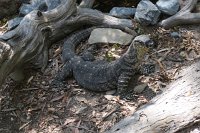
86	3
29	42
184	16
177	108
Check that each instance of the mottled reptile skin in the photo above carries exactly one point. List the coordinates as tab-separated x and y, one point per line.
97	76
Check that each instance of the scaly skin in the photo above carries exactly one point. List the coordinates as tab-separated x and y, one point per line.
101	77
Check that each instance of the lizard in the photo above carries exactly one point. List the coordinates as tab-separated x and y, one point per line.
97	76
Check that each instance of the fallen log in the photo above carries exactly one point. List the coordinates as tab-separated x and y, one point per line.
29	42
176	109
184	16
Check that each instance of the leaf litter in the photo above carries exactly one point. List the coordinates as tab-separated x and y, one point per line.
34	106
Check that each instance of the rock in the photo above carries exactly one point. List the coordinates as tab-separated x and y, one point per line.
109	35
169	7
51	4
14	22
35	5
144	38
140	88
39	5
147	13
122	12
175	35
25	9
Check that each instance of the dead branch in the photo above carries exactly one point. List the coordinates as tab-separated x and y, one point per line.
30	41
184	16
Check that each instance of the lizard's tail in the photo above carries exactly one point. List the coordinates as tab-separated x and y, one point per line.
73	41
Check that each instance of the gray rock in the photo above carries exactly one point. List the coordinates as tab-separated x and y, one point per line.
51	4
175	35
14	22
109	35
39	5
169	7
142	38
25	9
140	88
147	13
122	12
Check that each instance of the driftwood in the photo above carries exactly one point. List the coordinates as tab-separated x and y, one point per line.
86	3
29	42
184	16
173	111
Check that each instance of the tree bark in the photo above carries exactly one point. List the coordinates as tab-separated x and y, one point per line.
30	41
172	111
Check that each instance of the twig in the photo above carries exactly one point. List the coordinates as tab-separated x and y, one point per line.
24	125
29	89
7	110
110	113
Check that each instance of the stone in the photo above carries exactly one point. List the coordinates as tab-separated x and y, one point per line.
51	4
122	12
39	5
169	7
25	9
34	5
109	35
144	38
140	88
14	22
147	13
175	35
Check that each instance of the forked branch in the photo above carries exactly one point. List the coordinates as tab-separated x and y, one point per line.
30	41
184	16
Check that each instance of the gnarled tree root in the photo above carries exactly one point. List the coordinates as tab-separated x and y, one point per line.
184	16
30	41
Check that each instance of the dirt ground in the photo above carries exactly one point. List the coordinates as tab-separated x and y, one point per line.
35	107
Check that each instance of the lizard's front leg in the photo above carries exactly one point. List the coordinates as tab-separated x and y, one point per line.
123	82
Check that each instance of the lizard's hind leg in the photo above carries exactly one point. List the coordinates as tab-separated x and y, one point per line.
66	72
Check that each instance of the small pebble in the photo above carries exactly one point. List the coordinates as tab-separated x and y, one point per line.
175	35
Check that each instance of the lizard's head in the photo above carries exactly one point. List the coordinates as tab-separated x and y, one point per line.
143	47
140	48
